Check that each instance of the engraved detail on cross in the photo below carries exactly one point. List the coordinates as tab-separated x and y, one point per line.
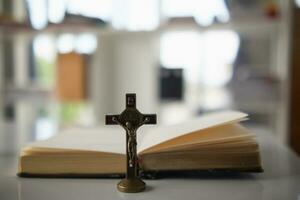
130	119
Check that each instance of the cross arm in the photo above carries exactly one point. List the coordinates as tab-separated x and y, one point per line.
109	119
149	118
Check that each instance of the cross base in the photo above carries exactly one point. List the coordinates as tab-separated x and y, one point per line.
131	185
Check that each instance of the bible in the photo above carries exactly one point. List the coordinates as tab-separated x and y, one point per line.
215	141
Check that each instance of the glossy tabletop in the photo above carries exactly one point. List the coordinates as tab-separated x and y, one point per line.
281	180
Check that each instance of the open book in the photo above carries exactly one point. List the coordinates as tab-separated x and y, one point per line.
211	142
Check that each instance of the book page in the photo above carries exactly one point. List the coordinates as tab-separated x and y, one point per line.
162	134
211	137
103	139
113	139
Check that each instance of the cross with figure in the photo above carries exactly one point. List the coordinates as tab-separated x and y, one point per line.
131	119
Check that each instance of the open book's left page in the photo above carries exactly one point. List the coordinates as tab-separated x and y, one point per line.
104	139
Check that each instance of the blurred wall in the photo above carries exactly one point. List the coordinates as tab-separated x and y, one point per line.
125	63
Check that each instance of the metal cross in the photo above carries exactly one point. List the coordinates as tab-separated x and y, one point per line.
131	119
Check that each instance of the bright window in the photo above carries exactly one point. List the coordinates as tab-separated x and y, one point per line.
206	57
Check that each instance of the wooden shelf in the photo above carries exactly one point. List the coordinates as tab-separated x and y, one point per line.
249	26
26	93
243	26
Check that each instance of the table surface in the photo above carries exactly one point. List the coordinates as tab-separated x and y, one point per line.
281	180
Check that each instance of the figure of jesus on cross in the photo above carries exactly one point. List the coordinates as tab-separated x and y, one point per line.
131	119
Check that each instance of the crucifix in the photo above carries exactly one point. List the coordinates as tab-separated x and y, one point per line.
131	119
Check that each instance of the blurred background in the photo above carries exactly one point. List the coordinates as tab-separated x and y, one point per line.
67	63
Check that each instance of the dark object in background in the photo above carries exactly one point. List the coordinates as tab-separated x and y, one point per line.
80	20
171	84
9	112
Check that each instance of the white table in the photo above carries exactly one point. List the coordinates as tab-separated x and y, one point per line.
281	180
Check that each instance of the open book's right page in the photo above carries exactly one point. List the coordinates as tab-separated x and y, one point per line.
162	134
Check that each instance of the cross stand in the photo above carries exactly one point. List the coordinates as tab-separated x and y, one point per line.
131	119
